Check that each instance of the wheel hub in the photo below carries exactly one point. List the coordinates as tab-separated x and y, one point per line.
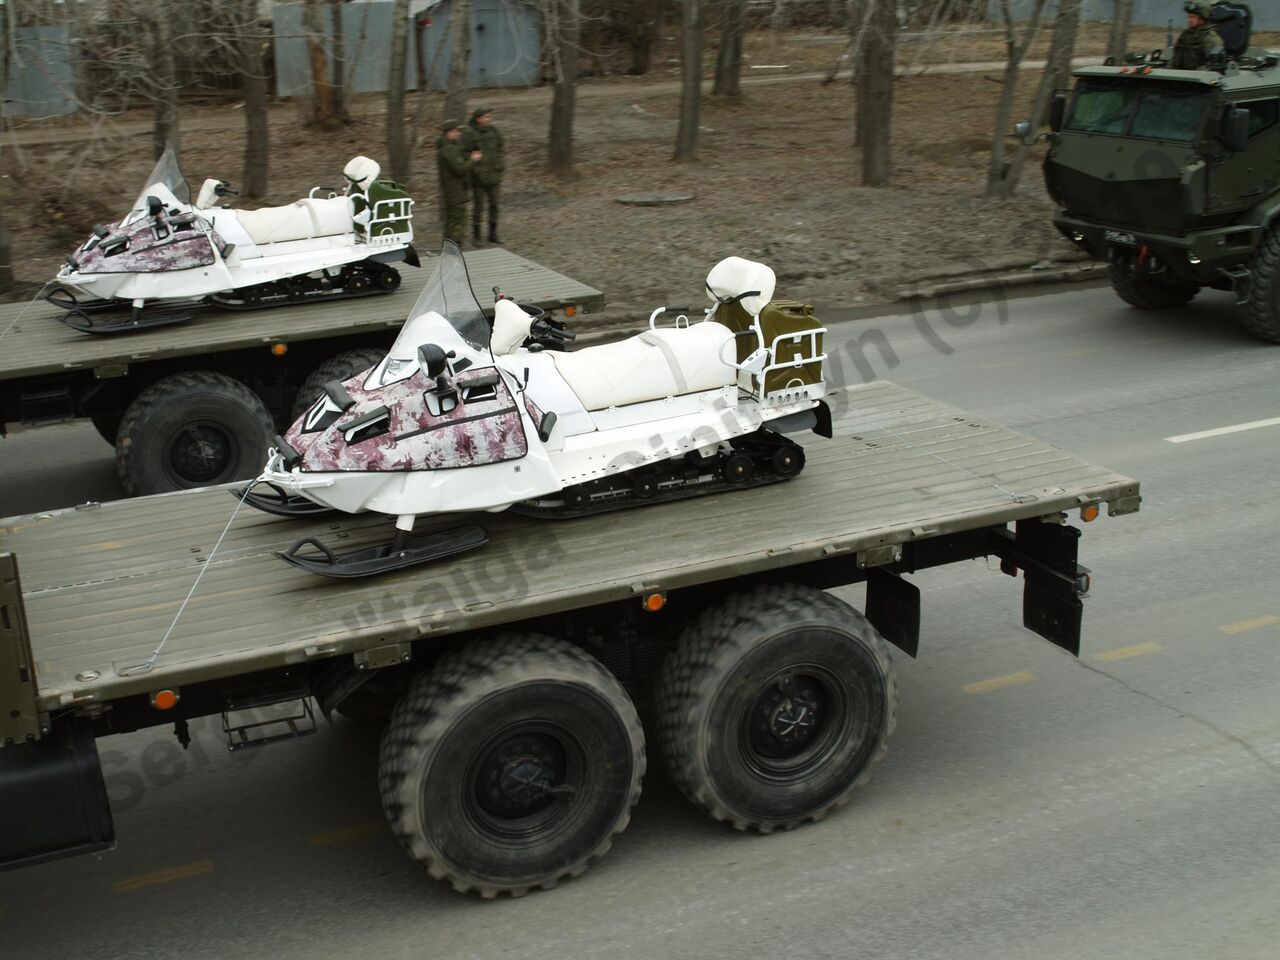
201	453
522	776
787	717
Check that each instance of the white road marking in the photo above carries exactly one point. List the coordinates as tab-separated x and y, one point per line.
1219	431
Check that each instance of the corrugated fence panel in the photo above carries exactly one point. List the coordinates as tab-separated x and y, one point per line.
41	75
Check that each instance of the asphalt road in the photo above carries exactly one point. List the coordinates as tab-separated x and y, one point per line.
1122	805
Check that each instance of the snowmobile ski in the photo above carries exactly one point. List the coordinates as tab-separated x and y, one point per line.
279	502
403	551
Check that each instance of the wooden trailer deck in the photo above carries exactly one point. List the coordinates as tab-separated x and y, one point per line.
102	583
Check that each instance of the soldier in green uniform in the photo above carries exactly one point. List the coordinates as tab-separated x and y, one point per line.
1196	43
455	164
482	135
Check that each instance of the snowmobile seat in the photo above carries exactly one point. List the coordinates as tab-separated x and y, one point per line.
652	366
301	220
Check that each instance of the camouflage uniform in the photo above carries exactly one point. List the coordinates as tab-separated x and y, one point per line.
1194	45
487	174
454	163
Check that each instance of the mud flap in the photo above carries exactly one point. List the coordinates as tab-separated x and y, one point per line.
893	607
1054	581
53	800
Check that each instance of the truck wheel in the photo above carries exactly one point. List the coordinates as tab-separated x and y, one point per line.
1149	294
344	366
774	706
511	764
192	430
1260	312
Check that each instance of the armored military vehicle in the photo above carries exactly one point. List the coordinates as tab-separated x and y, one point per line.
1173	176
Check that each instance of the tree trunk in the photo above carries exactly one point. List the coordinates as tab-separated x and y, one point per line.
690	80
1121	19
998	170
339	61
1056	73
641	31
165	78
323	112
455	100
254	80
729	56
397	154
565	33
875	92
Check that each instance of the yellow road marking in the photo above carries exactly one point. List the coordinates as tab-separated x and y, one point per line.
158	877
1240	626
1124	653
349	834
997	683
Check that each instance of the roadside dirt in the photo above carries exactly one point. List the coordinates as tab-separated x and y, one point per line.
777	177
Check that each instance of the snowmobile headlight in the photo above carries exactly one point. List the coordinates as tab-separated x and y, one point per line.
1192	258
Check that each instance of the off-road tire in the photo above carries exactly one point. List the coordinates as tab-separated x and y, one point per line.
343	366
1260	311
162	416
1149	294
714	682
452	722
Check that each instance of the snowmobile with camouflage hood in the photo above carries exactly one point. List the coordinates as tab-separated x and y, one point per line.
463	415
168	255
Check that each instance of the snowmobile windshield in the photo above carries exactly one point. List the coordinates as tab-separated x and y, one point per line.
448	293
167	173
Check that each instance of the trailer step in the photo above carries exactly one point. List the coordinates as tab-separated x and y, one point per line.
285	713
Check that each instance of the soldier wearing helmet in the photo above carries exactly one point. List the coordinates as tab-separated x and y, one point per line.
1197	43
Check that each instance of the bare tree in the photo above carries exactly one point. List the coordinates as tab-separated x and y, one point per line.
323	111
164	76
729	56
6	248
455	98
397	156
338	27
690	80
874	73
250	40
637	22
998	184
564	26
1121	18
1057	72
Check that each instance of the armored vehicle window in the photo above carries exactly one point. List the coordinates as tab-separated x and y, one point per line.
1263	114
1163	116
1164	112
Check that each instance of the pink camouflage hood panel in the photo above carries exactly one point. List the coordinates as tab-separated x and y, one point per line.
485	427
147	246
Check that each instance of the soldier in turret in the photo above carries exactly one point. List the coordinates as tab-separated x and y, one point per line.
1196	44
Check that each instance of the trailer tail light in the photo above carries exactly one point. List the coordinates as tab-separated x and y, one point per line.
570	310
164	699
653	602
279	349
1089	512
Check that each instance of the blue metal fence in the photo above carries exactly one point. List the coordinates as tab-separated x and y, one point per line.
41	76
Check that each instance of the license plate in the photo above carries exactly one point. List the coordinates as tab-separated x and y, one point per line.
1119	236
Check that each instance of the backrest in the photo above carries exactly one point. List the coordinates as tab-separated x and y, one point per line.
1234	23
734	279
511	327
361	172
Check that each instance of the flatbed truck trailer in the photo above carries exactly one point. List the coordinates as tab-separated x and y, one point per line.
196	404
514	677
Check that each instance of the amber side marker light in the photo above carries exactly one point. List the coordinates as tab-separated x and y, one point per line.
1089	512
653	602
164	699
279	349
570	310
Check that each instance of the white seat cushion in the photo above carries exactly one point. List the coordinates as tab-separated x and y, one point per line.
362	171
734	276
511	327
301	220
653	365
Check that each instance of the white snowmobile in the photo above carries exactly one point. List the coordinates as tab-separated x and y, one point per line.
464	416
168	252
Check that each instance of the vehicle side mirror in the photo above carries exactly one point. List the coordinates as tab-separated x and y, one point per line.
1022	130
1235	129
154	206
1057	111
432	359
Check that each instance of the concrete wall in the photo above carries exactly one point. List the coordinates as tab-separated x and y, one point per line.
41	77
504	47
